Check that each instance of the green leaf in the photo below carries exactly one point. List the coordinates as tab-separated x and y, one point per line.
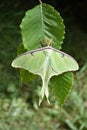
25	75
20	49
61	86
41	24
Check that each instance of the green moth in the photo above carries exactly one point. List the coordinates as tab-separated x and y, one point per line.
45	62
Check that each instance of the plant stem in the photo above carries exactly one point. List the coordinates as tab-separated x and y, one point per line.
40	1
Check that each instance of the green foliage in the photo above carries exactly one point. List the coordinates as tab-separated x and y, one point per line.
16	114
40	24
25	75
20	49
29	76
9	40
61	86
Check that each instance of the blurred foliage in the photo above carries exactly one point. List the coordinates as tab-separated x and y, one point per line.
16	114
18	102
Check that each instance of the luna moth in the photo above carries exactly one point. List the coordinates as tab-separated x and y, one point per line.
45	62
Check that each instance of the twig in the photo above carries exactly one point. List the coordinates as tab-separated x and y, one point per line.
40	1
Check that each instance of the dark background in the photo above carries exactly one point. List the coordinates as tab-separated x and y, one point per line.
74	15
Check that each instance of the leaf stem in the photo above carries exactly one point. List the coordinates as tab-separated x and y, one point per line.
40	1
